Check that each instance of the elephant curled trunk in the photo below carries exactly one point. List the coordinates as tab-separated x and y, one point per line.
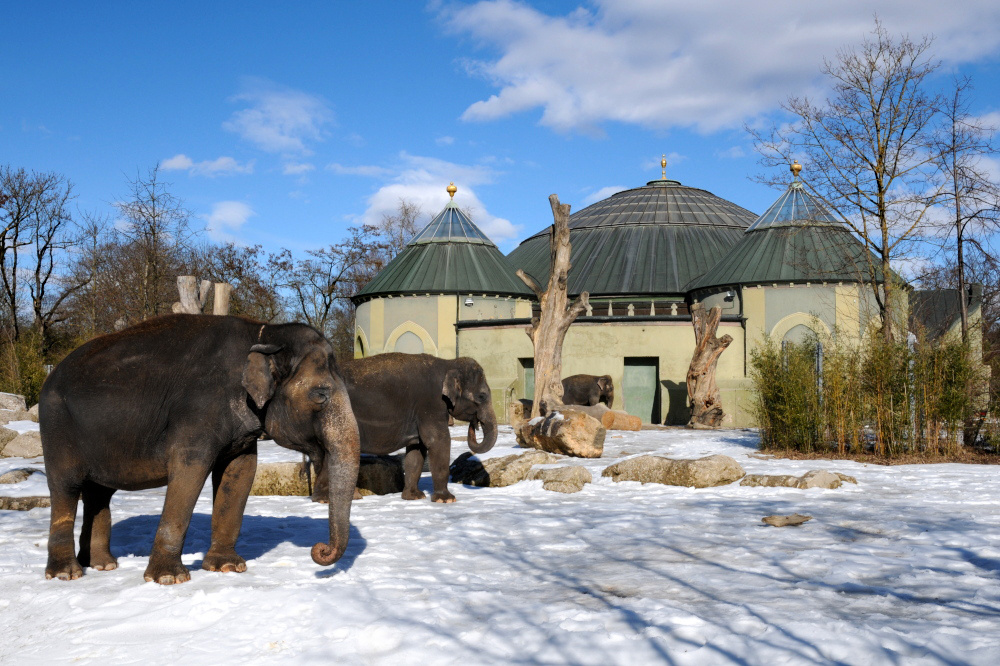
489	423
343	458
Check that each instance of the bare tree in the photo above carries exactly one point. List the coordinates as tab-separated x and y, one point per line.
971	194
255	277
870	149
155	231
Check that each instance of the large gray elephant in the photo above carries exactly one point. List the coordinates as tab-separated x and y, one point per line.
404	400
588	390
172	400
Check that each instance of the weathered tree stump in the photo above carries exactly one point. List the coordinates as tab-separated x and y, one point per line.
220	303
194	295
703	391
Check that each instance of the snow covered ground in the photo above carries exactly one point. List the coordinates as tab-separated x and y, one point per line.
902	568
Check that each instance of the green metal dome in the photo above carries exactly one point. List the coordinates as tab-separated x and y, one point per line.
451	255
795	240
648	240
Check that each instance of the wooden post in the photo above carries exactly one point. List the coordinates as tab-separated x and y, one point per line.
703	391
548	330
193	297
220	304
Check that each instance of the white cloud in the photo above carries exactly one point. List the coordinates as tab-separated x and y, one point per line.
217	167
363	170
279	119
444	140
297	168
226	219
705	65
422	181
733	152
601	194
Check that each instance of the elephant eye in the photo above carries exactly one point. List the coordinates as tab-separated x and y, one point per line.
320	394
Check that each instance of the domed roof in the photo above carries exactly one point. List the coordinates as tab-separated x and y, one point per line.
796	240
451	255
650	240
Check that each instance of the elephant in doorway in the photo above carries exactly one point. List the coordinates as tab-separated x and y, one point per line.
405	401
173	400
588	390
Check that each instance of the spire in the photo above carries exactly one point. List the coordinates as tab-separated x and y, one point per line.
663	167
451	190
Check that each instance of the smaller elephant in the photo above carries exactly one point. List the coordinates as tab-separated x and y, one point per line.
588	390
406	401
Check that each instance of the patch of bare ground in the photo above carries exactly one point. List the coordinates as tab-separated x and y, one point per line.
964	456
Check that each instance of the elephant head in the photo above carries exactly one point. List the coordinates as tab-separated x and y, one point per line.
468	397
607	387
294	378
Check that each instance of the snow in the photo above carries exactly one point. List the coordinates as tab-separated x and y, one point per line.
902	568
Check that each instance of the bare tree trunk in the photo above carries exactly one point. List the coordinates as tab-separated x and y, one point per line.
220	304
548	330
193	297
703	392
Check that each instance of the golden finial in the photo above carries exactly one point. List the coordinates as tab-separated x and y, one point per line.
451	190
663	167
795	168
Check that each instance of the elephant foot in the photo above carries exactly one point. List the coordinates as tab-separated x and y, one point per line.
63	569
166	573
443	497
224	561
413	494
99	561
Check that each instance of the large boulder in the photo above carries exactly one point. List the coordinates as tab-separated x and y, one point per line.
380	475
561	479
10	415
23	503
25	445
717	470
812	479
33	414
6	436
497	472
13	402
17	475
567	432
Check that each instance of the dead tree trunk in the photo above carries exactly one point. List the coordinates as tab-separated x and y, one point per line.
194	296
548	330
220	303
703	392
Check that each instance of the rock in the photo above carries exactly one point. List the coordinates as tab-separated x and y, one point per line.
786	521
380	475
281	478
562	479
717	470
33	414
6	435
519	413
813	479
25	445
9	415
13	402
23	503
497	472
17	475
567	432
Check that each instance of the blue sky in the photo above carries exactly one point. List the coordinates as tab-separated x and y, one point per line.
281	124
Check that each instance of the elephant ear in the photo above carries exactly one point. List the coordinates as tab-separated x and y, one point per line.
259	373
452	387
605	382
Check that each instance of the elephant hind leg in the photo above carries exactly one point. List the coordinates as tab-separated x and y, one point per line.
62	562
413	466
95	532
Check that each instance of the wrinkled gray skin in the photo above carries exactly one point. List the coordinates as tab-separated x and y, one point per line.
588	390
404	401
172	401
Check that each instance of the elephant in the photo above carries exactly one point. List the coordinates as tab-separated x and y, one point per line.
174	399
588	390
405	400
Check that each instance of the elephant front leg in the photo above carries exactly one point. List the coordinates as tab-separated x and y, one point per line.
413	466
95	533
165	566
439	463
231	481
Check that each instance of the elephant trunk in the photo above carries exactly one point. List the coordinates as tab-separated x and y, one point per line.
488	420
343	457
